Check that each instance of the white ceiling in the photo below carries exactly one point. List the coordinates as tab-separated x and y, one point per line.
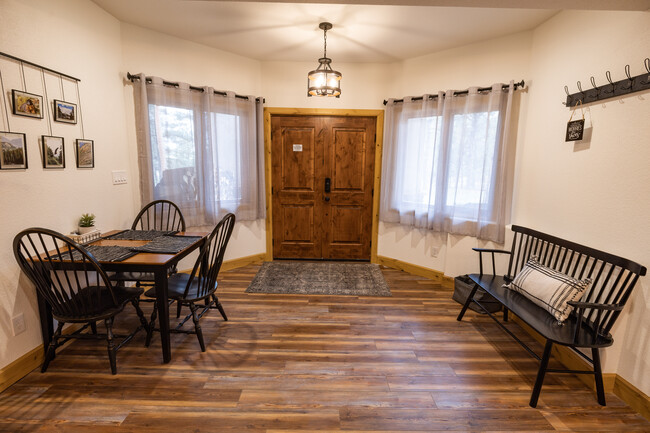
377	31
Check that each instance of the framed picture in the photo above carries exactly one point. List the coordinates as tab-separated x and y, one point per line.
65	112
85	153
27	104
13	153
53	152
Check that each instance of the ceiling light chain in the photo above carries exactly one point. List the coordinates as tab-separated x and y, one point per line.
324	81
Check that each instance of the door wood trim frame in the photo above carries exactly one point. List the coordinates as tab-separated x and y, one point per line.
379	140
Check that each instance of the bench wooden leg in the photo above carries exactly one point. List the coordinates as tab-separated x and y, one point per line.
600	390
541	373
467	302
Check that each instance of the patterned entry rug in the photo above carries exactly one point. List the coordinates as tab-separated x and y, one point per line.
320	278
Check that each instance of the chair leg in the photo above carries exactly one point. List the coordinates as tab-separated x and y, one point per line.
600	389
220	307
112	350
51	349
152	325
178	309
136	304
505	314
197	327
93	327
541	373
467	302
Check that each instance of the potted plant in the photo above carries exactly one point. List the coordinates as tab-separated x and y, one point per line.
86	223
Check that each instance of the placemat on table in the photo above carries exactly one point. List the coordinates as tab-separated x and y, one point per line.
105	253
167	244
140	235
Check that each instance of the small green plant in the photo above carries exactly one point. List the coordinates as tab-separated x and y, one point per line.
87	220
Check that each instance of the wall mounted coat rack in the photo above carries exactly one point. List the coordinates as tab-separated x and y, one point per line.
611	89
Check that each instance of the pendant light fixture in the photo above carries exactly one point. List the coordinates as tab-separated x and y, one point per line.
324	81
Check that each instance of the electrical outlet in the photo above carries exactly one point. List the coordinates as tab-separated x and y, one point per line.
18	323
119	177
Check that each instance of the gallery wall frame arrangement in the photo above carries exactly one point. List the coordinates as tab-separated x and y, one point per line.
13	150
53	151
13	153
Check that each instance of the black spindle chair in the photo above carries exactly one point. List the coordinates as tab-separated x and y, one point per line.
201	284
158	215
75	287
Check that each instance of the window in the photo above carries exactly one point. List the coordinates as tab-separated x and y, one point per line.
443	167
200	150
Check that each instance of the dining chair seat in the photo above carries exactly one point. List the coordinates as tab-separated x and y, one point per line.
176	285
103	306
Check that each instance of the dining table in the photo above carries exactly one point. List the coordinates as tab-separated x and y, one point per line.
156	263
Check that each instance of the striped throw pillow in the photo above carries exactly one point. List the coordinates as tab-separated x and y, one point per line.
550	289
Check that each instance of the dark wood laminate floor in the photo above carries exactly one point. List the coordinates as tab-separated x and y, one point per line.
294	364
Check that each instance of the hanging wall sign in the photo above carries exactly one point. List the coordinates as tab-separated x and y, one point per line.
575	128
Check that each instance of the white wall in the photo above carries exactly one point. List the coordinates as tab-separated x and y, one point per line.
79	39
596	193
481	64
175	59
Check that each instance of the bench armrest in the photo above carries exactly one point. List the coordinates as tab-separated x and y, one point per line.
492	252
596	306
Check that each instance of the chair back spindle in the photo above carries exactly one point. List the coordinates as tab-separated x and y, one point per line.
160	215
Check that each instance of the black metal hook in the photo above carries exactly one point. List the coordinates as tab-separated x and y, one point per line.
579	87
608	75
646	63
629	78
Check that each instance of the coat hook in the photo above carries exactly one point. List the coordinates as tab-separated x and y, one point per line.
608	75
595	87
579	87
566	90
593	82
646	63
629	78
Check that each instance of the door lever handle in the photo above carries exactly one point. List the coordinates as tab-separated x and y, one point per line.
328	184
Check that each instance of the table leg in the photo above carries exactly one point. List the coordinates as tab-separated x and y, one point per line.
163	313
47	326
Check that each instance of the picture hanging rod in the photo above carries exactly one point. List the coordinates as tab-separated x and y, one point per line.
611	89
462	92
44	68
132	78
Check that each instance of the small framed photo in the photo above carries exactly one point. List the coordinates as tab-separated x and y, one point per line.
65	112
14	151
85	153
53	152
27	104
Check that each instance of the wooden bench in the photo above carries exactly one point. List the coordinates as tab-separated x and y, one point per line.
591	321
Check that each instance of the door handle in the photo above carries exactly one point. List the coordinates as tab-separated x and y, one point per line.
326	198
328	184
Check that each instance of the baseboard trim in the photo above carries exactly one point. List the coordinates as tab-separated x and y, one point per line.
228	265
633	396
21	367
416	270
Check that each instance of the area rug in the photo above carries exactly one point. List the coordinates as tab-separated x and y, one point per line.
326	278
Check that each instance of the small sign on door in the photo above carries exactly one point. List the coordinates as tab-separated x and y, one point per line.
297	147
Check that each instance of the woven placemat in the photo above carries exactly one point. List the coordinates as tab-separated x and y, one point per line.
167	244
140	235
106	253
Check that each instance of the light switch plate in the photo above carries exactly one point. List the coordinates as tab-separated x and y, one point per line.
119	177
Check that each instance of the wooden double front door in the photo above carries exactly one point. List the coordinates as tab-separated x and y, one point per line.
322	186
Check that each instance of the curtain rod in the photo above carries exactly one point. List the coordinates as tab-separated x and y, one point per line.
61	74
132	78
461	92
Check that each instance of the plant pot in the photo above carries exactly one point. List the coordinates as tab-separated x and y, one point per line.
84	230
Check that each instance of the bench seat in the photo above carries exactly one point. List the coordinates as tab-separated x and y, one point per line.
538	318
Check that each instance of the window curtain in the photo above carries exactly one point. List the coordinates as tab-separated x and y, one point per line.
446	162
201	150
